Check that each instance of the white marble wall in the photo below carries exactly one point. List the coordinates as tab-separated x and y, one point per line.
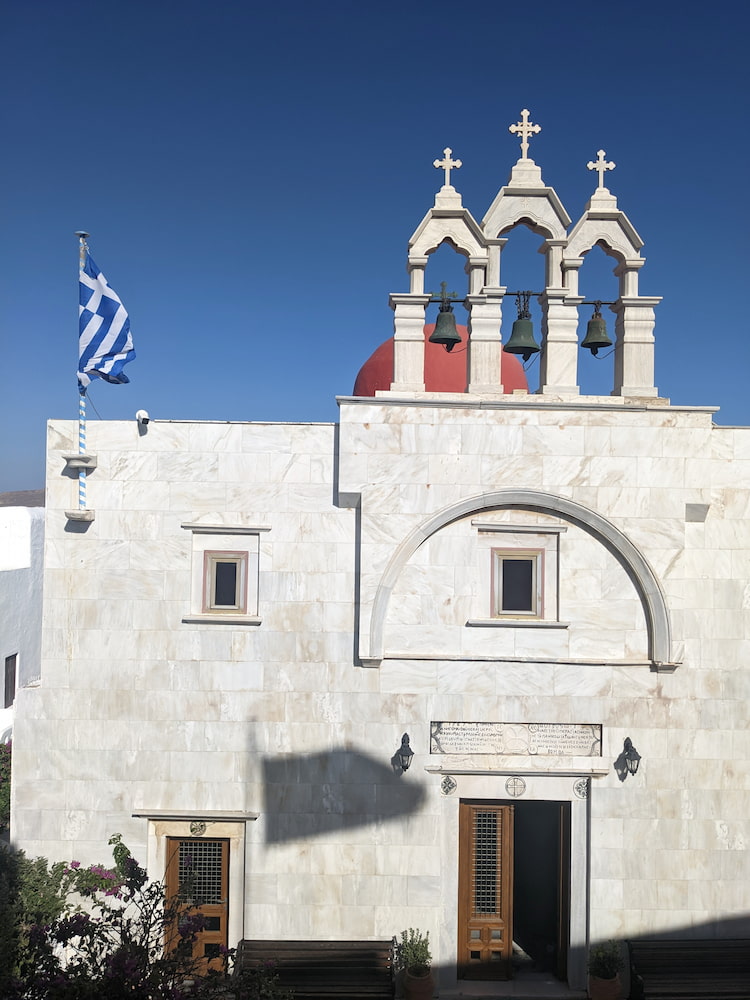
139	711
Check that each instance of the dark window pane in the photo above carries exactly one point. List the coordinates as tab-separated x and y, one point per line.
486	867
10	680
226	584
518	584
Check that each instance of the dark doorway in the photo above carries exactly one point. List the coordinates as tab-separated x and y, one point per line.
541	886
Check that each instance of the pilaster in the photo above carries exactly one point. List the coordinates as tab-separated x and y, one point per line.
485	341
408	342
634	346
416	268
559	360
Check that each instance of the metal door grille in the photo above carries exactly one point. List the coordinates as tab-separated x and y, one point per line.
485	872
200	870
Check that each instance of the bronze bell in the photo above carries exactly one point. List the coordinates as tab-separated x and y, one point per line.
522	339
522	335
596	332
445	331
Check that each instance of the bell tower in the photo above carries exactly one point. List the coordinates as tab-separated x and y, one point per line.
447	221
526	200
603	224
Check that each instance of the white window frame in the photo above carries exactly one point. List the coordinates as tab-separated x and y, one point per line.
212	559
498	540
215	543
536	558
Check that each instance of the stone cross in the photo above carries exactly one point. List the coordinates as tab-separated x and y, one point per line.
600	165
524	128
447	165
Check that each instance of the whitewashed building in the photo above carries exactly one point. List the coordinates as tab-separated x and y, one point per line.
21	562
540	589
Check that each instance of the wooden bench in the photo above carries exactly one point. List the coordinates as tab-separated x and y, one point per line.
325	970
690	970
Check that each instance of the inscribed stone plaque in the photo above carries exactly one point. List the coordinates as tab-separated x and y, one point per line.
549	739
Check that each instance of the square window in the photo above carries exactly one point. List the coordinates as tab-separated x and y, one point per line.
517	583
225	581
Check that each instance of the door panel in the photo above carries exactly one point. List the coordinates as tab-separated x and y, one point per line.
198	875
485	891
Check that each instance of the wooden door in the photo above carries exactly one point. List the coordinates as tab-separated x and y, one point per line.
198	876
485	891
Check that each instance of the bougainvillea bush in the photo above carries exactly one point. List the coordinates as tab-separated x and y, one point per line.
5	757
97	933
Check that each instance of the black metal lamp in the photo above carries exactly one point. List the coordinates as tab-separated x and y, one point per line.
404	753
632	757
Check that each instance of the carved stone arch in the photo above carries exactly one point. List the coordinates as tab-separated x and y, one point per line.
464	251
537	227
642	575
464	237
612	231
539	205
620	249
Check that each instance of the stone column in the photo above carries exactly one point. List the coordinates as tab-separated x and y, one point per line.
485	341
494	250
408	342
559	362
416	268
558	368
634	346
476	269
570	268
553	254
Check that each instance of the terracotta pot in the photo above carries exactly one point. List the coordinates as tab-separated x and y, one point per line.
605	989
418	987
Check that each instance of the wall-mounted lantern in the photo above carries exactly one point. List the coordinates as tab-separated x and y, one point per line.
402	757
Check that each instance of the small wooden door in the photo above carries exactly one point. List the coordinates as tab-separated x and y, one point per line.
198	876
485	891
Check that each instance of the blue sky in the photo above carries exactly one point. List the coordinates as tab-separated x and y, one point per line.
251	173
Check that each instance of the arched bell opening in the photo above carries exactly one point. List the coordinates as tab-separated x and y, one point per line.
447	278
447	263
597	282
522	269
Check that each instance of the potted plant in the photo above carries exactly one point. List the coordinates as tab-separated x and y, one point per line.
413	960
605	962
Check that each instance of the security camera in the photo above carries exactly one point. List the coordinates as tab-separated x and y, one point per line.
142	417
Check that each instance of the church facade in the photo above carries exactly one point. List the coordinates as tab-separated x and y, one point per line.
471	660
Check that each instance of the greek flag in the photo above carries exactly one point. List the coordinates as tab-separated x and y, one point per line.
104	342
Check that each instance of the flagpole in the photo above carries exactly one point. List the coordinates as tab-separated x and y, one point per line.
82	249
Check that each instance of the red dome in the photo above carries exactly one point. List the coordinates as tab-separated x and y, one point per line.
443	371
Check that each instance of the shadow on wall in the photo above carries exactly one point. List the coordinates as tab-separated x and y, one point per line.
311	794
